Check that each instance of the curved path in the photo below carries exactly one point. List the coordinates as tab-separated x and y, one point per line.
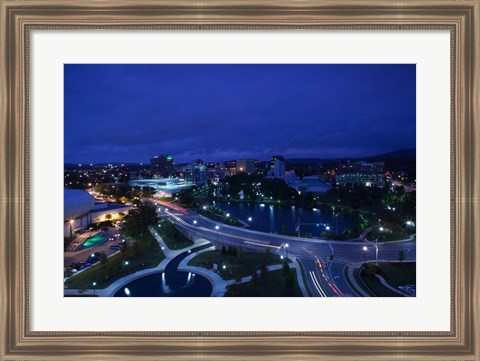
312	253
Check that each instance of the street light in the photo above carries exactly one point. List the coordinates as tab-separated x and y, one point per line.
286	249
94	284
216	228
195	225
365	254
189	253
249	219
126	263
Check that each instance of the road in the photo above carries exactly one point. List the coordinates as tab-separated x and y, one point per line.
323	260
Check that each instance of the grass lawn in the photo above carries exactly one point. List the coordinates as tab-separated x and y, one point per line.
376	287
273	284
236	266
399	273
395	273
172	236
231	221
115	267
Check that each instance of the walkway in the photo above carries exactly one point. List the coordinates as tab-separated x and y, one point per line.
351	278
358	289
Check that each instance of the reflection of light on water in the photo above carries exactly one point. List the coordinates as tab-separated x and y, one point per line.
127	291
190	278
165	287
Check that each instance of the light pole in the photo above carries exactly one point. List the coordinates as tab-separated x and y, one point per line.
71	227
195	226
249	219
364	254
94	284
216	228
189	253
286	249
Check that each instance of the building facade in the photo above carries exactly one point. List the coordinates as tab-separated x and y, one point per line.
361	173
162	166
246	166
77	206
277	167
196	173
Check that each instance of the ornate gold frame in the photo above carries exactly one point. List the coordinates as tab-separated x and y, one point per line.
18	17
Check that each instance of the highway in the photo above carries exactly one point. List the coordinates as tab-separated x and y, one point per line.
323	260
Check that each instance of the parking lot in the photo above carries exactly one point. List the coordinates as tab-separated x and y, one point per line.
109	247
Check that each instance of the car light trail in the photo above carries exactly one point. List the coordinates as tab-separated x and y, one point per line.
321	267
262	244
317	284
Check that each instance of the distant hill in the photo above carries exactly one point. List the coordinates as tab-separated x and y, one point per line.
398	154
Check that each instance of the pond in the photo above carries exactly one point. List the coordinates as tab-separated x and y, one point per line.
171	283
272	218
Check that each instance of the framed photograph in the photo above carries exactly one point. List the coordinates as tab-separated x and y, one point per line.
239	180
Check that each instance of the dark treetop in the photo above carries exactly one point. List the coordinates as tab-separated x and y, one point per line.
128	113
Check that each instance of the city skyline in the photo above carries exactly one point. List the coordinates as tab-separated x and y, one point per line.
129	113
148	161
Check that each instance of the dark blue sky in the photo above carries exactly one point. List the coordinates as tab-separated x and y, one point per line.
128	113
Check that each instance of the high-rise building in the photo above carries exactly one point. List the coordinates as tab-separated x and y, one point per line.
277	167
246	166
196	173
162	166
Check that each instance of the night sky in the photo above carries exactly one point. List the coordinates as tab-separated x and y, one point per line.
129	113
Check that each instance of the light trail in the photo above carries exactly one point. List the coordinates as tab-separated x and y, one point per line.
329	281
262	244
317	285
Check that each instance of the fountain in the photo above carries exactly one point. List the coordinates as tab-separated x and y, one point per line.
165	287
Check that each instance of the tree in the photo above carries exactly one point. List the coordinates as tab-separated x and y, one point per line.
137	221
285	230
186	197
267	253
241	254
289	284
286	268
401	256
263	270
103	258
